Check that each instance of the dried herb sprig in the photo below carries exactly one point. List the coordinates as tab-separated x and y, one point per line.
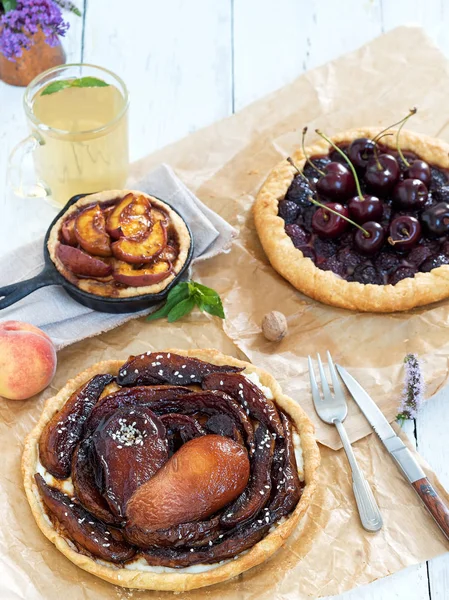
413	392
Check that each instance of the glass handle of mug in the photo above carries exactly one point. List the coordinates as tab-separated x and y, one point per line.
22	188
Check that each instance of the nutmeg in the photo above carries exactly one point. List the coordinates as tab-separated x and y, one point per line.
274	326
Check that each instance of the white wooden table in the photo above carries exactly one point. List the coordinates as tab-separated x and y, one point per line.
188	63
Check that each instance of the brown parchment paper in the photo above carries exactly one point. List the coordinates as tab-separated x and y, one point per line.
225	165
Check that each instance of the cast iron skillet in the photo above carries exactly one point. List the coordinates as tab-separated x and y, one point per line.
51	276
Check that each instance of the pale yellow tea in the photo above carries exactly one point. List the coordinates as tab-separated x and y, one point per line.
85	140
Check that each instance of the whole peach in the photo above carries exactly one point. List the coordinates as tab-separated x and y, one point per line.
27	360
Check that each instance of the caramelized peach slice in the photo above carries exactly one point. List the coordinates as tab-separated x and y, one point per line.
131	217
154	273
90	231
81	263
142	250
201	478
168	253
68	231
157	214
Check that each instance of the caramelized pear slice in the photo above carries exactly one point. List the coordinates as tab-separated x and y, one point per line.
84	482
122	399
144	249
82	264
201	478
90	231
150	275
166	367
180	429
81	527
63	432
68	231
198	533
208	403
247	393
131	446
257	492
130	218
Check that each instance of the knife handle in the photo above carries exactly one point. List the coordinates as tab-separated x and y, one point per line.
433	503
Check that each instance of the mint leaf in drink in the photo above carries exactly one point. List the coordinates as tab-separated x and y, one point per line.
82	82
184	297
56	86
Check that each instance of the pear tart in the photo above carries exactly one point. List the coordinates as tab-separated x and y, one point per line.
394	253
119	244
173	471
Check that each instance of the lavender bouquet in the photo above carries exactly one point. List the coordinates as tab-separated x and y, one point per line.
21	19
413	392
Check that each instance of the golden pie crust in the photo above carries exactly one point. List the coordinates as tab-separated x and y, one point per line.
174	581
326	286
94	286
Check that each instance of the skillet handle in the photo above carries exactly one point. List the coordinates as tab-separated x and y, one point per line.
10	294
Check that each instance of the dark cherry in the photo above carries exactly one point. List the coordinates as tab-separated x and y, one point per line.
436	219
308	252
329	225
433	262
400	274
405	233
360	151
337	183
368	209
297	234
410	194
382	173
419	169
366	274
288	210
371	243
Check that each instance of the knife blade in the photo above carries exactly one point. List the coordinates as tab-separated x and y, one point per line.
398	451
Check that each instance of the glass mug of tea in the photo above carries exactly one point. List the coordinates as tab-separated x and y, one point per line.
78	119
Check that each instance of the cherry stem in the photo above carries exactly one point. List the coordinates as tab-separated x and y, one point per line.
412	112
313	201
404	231
376	149
304	131
404	121
290	160
351	166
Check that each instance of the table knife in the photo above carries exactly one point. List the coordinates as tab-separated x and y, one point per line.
397	449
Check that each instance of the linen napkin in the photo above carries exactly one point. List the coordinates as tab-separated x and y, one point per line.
65	320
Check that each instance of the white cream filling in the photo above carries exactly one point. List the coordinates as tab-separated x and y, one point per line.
140	564
254	378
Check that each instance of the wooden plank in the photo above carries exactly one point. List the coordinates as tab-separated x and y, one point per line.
176	59
32	215
274	42
432	438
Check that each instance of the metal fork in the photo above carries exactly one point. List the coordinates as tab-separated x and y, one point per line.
333	410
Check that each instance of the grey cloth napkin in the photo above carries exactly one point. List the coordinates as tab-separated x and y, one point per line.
66	321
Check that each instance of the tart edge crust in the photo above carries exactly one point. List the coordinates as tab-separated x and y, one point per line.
93	286
178	582
325	286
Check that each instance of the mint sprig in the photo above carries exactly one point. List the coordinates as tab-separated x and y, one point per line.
81	82
183	298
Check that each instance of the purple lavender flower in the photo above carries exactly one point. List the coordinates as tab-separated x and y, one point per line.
21	23
413	392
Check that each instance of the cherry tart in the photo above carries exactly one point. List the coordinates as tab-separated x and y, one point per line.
119	244
381	248
172	471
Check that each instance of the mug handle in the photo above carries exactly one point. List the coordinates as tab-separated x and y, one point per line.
36	189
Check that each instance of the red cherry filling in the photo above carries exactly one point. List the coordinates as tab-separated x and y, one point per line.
382	173
329	225
405	232
410	194
371	240
367	208
337	183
